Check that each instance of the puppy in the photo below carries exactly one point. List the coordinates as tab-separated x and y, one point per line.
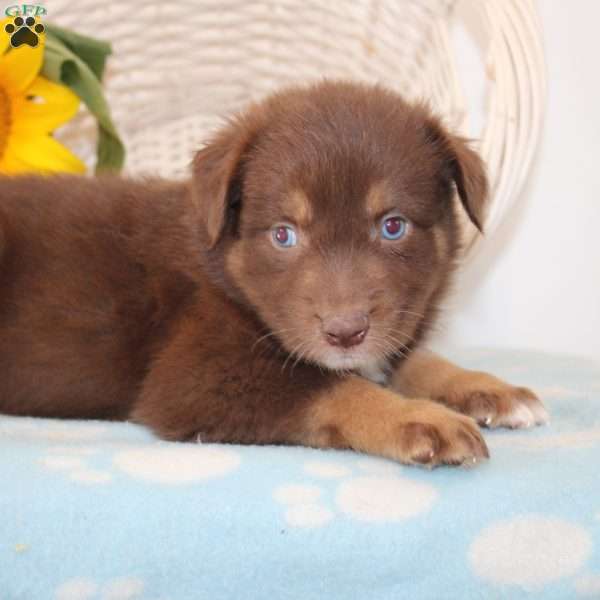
270	299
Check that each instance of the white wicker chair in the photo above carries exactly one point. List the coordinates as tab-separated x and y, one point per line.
178	68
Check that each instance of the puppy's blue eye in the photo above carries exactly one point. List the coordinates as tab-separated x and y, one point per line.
284	236
393	228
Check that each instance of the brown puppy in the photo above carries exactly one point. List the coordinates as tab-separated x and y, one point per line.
266	300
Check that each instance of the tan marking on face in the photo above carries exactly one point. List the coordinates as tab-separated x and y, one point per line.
234	262
378	199
297	206
310	279
440	239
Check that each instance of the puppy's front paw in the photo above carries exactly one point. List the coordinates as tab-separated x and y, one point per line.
492	402
358	414
437	436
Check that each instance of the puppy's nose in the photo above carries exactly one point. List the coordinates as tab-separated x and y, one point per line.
346	330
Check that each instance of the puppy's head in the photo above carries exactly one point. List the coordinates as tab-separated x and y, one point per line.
330	212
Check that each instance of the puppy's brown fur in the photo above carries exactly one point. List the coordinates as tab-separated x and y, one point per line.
174	306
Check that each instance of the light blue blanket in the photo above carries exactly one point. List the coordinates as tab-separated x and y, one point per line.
103	511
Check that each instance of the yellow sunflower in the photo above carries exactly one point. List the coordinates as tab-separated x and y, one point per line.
31	107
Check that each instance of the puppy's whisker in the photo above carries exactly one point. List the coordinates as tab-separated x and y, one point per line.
303	353
270	334
390	348
391	337
270	350
396	341
292	353
387	351
395	331
408	312
299	352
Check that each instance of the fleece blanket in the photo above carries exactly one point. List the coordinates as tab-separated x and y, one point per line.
105	511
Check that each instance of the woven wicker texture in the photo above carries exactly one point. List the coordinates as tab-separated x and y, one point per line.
179	67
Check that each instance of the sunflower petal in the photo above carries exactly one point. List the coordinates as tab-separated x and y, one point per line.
4	37
60	104
11	165
43	153
19	67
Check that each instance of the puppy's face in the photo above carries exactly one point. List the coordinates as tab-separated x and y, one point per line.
329	210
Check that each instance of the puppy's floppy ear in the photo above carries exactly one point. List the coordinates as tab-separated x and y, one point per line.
217	177
465	167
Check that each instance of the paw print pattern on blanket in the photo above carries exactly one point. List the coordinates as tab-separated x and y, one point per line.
378	494
303	507
160	462
529	551
173	464
81	588
74	464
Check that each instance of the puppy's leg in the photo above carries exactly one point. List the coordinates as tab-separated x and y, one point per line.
222	392
355	413
489	400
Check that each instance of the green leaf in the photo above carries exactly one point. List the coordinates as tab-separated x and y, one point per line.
77	62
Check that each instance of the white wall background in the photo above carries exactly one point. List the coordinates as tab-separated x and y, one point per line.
536	284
